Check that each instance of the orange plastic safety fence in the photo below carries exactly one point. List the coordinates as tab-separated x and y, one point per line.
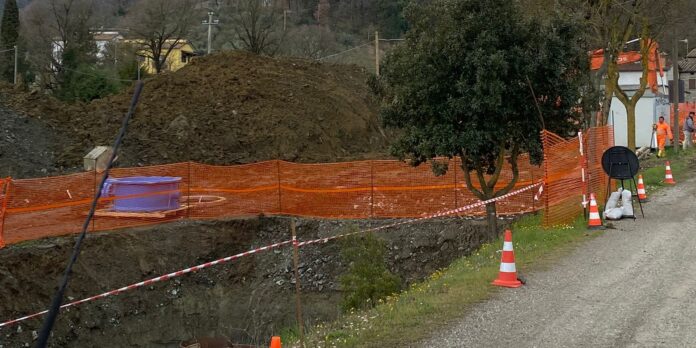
53	206
564	164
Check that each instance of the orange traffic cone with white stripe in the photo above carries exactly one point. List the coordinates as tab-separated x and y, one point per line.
275	342
668	174
508	273
595	222
642	195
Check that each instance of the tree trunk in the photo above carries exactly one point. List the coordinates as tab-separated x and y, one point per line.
631	125
492	221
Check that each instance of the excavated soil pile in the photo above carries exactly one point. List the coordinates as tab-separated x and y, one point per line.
223	109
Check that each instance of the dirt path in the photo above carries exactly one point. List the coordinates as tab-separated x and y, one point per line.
631	287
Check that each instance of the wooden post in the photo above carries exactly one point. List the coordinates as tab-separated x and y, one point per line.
372	189
377	53
3	207
675	89
298	293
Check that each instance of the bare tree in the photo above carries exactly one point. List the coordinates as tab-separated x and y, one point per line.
256	25
159	26
57	33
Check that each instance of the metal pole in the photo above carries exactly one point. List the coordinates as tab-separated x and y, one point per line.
210	31
298	293
675	89
16	60
377	52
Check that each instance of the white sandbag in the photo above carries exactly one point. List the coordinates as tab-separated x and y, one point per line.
627	203
613	214
613	201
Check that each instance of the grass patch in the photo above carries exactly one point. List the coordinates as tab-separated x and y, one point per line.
416	312
653	169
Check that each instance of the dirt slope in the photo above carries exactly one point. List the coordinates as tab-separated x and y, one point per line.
226	108
248	300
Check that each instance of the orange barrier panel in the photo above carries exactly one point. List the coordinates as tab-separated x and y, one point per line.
564	185
43	207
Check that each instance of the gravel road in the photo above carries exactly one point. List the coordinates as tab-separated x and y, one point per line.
633	286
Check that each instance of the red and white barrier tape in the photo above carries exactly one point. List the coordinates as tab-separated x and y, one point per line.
262	249
154	280
436	215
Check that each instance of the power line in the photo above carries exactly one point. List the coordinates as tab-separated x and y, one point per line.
356	47
45	333
346	51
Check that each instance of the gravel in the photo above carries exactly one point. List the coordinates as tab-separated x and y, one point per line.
632	286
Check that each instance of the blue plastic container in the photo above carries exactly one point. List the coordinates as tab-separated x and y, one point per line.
146	187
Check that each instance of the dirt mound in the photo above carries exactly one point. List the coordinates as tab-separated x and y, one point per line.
27	146
227	108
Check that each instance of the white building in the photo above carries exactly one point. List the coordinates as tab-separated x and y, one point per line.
649	108
101	38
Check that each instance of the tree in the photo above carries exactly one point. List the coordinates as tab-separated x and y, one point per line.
58	40
322	13
460	86
256	25
614	23
159	26
9	32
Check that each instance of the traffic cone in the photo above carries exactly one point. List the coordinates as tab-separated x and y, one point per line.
508	273
642	196
275	342
595	221
668	175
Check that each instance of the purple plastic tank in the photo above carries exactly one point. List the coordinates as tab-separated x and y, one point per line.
165	193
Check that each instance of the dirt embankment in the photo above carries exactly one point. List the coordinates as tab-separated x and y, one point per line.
246	300
225	108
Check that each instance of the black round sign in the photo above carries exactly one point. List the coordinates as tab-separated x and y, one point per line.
620	162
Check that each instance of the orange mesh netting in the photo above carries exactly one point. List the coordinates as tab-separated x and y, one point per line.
53	206
563	164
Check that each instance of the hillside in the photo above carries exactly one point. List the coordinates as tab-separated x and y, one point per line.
225	108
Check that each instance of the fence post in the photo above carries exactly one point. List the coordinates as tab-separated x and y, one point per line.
5	193
94	194
372	189
456	203
298	288
280	193
188	193
545	149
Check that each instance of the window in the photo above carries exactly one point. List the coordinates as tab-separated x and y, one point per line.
692	83
184	58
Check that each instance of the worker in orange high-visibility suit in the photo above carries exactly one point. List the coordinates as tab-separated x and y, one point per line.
663	131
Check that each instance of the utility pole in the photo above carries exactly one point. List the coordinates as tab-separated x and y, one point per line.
285	19
377	52
210	22
675	90
16	60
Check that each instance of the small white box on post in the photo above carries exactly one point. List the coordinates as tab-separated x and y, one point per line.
98	158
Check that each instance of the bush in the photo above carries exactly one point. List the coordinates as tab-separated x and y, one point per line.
87	83
367	279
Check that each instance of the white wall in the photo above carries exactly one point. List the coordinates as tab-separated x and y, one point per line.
648	110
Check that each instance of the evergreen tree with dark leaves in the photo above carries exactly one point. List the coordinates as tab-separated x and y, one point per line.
9	32
458	86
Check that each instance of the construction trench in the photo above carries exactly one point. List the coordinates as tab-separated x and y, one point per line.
246	300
